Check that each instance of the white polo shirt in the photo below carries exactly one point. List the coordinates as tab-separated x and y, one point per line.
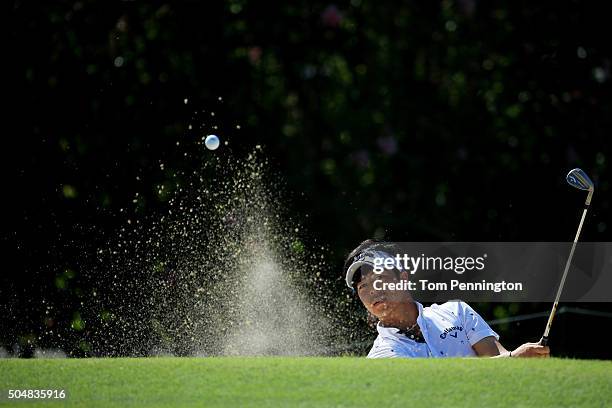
449	330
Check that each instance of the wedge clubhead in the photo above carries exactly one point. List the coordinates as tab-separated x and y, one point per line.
579	179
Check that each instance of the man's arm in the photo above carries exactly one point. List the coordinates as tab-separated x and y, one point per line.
491	347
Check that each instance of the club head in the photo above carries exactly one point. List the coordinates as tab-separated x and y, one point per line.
579	179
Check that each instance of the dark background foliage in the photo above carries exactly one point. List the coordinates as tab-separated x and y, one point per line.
451	120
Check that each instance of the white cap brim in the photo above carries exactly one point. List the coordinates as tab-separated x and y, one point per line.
363	258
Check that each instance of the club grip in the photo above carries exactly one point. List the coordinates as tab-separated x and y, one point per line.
544	341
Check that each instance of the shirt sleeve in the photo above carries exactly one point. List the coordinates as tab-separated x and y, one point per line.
476	328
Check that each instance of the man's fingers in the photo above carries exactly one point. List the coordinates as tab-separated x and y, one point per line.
534	350
537	348
543	351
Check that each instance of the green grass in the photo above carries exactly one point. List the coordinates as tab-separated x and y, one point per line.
278	381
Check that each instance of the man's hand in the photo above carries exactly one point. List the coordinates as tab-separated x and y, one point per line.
531	350
491	347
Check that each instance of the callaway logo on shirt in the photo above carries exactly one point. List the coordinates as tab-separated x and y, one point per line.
449	330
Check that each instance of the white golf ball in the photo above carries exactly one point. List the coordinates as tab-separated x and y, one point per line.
211	142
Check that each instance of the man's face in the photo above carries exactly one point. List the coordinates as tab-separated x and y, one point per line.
381	303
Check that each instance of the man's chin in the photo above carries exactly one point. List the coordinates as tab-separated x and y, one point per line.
380	309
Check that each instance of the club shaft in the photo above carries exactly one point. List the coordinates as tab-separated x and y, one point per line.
565	271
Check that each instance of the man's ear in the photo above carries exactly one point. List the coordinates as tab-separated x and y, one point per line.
404	275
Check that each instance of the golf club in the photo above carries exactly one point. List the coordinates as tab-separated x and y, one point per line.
579	179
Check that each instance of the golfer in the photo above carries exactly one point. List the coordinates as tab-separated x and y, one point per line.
407	329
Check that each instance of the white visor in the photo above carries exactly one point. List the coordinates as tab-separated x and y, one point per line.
363	258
